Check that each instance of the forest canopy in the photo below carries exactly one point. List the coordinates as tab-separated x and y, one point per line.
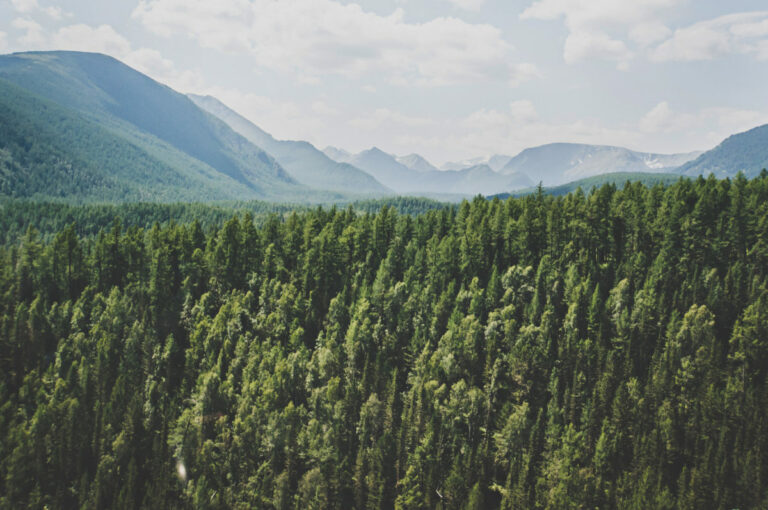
596	350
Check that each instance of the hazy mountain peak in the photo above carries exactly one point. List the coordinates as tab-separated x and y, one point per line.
375	151
495	162
416	162
561	162
337	154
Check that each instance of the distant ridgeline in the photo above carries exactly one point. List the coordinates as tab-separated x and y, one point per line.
594	350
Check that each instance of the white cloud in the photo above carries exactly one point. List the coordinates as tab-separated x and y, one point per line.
25	5
317	37
33	37
597	13
105	39
710	39
523	110
102	39
712	124
753	27
661	119
584	45
646	34
598	28
30	6
523	72
620	30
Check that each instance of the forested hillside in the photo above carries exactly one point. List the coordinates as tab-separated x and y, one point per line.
607	350
84	127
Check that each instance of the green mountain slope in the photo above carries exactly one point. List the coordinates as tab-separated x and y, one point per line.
50	151
193	153
302	160
743	152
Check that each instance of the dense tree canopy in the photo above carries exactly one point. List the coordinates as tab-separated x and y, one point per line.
586	351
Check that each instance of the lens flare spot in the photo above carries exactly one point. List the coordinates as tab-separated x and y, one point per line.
181	471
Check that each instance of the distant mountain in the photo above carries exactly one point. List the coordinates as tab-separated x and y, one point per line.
588	183
302	160
478	179
120	136
416	162
743	152
337	154
558	163
384	168
495	162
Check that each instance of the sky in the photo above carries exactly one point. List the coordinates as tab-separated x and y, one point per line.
448	79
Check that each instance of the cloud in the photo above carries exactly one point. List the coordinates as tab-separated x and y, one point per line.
105	39
523	110
740	33
619	31
30	6
523	72
645	34
102	39
599	29
581	46
318	37
662	119
33	36
25	5
580	14
3	42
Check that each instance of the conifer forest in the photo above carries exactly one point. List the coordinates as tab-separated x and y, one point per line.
601	349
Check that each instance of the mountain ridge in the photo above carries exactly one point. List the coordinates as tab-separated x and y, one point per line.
745	152
123	104
301	159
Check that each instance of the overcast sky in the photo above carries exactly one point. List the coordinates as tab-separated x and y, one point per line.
449	79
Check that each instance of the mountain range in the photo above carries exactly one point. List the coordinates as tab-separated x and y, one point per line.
86	127
413	174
